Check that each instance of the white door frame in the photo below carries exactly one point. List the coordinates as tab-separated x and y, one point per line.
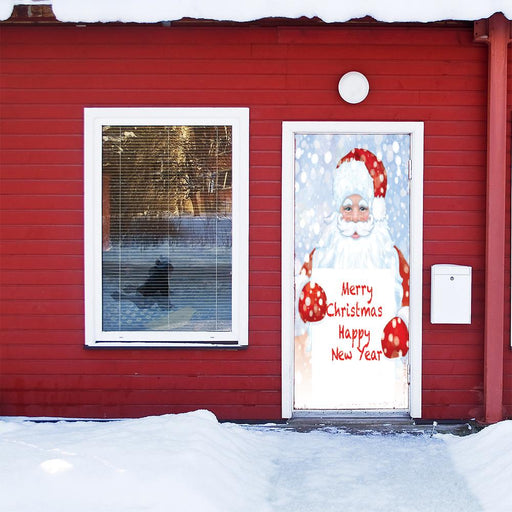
290	129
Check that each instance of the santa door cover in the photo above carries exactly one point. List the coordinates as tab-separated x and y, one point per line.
351	271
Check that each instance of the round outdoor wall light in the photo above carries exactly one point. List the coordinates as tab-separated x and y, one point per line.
353	87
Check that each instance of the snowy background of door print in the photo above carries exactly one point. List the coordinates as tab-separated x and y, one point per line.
323	381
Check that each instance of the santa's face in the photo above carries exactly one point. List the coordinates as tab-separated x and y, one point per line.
354	211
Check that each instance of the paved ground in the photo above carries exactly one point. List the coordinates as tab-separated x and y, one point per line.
366	465
381	425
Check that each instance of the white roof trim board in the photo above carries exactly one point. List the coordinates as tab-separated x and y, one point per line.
152	11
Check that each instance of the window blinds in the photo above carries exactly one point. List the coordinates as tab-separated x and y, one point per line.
167	228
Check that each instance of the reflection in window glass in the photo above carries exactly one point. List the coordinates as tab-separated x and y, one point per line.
167	228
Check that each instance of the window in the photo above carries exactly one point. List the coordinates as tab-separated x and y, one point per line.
166	226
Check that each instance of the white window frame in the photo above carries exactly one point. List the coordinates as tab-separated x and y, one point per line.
290	129
94	120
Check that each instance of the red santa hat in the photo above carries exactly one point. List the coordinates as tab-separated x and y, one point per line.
361	172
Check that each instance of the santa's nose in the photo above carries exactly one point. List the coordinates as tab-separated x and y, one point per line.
357	216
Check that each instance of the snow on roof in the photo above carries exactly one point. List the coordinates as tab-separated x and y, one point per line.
151	11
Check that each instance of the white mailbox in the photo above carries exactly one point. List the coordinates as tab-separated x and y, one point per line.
450	298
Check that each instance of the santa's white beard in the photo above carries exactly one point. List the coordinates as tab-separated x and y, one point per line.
373	249
348	229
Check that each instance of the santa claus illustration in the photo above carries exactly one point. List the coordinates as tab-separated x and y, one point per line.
356	236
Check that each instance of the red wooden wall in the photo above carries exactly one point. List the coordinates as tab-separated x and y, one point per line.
429	73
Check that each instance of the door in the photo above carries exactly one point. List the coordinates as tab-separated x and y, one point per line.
352	338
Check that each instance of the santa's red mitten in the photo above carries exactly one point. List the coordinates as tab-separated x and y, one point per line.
395	338
312	303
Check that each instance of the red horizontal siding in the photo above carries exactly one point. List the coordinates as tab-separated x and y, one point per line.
106	365
39	247
15	293
162	382
248	412
49	74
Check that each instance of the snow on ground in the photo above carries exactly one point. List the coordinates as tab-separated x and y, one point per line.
486	462
191	462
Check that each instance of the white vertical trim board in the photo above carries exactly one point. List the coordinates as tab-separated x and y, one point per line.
287	274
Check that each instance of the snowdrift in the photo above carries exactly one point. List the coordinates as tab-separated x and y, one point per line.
485	459
191	462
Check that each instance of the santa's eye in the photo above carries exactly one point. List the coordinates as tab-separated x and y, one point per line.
347	209
362	208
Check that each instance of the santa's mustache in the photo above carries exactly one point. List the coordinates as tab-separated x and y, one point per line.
348	228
